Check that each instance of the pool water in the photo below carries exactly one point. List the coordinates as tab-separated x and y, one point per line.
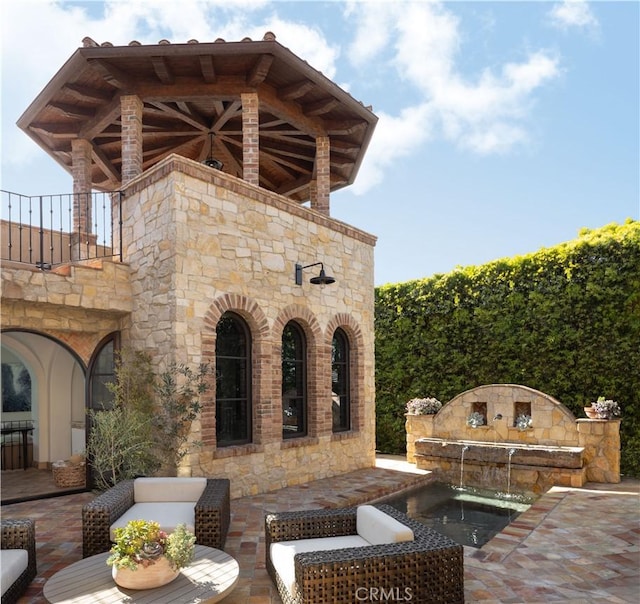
467	515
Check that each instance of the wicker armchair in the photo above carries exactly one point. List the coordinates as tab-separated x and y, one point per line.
212	515
428	569
20	534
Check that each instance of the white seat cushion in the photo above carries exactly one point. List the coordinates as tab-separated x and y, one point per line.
168	488
13	563
283	553
379	528
168	514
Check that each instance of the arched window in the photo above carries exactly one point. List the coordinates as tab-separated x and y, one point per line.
340	386
233	381
102	371
294	381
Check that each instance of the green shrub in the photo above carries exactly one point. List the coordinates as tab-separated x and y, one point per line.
564	320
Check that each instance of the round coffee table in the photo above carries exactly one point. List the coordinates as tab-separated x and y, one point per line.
209	578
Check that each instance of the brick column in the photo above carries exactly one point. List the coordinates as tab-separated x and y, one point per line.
320	188
131	115
250	138
81	172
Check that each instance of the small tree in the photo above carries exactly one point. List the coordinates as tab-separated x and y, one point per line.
178	391
121	439
149	425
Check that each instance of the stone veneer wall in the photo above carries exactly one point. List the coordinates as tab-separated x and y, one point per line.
552	424
200	242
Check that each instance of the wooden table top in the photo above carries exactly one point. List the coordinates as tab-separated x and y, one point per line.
209	578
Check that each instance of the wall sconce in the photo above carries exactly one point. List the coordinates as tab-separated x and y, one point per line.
321	279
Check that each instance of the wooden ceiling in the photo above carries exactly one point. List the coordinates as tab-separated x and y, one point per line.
192	97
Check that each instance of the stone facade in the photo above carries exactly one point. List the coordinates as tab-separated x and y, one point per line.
555	435
200	243
197	243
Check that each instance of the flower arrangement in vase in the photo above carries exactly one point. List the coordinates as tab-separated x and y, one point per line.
144	556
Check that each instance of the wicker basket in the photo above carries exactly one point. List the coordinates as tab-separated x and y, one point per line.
66	474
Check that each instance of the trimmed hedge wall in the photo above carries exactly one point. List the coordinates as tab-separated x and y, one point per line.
564	320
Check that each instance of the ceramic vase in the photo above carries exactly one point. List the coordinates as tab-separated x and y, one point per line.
145	577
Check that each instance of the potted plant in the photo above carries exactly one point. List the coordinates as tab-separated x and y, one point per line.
475	419
606	409
524	422
144	556
423	406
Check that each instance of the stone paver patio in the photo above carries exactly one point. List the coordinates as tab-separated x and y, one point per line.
571	546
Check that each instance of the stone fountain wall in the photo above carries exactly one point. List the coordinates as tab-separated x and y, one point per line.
593	445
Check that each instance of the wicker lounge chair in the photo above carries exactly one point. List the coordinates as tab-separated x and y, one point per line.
212	515
19	535
428	569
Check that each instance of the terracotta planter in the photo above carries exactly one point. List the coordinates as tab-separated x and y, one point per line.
591	413
145	577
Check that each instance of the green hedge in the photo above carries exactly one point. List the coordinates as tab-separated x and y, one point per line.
564	320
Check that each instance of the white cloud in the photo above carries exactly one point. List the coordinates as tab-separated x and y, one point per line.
485	114
395	137
572	13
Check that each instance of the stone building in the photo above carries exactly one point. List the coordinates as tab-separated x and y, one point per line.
209	166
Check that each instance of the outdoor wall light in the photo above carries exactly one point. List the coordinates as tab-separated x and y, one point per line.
211	161
321	279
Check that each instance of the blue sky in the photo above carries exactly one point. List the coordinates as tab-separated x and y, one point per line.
503	127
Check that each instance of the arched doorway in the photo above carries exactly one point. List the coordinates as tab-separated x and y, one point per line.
46	394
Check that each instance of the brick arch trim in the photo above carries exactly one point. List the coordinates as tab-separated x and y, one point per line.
349	325
258	326
352	329
304	317
247	308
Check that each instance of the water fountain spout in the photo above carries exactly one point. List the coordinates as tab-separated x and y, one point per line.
497	417
462	452
511	453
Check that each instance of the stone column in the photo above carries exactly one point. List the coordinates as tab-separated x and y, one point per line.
250	138
321	187
82	210
131	115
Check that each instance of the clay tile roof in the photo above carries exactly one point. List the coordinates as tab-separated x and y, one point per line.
192	89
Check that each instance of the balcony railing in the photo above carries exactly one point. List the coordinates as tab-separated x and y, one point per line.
47	230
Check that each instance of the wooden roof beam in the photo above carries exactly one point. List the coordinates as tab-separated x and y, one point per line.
104	163
114	75
105	117
83	93
259	71
73	111
344	128
162	69
232	110
320	107
290	112
197	122
207	68
295	91
69	130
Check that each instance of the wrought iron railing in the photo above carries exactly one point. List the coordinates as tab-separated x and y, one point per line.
47	230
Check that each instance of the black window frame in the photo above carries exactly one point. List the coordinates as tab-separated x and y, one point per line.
299	366
246	425
343	392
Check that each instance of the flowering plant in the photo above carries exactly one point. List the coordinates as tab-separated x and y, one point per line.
523	422
141	542
475	419
606	409
423	406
